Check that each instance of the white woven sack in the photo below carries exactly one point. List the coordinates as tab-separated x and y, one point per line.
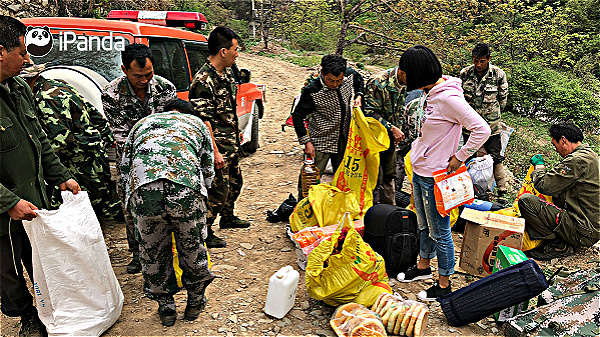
481	170
76	290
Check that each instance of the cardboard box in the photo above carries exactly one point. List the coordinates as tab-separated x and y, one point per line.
505	258
483	233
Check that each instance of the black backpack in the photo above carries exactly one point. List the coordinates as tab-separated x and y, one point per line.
392	232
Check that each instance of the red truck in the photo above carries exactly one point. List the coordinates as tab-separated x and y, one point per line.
87	54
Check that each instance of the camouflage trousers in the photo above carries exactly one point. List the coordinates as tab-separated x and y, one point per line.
132	236
385	191
545	221
159	209
225	190
93	175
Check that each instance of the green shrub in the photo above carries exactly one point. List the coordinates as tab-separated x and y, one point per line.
547	94
240	27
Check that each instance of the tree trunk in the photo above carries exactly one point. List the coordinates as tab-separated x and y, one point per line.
342	39
264	34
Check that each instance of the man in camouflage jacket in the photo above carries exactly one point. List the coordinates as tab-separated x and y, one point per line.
167	167
486	90
27	164
126	100
384	101
79	136
573	218
213	95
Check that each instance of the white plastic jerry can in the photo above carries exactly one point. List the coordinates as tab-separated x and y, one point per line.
282	292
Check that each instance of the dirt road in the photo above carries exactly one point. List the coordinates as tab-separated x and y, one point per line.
236	297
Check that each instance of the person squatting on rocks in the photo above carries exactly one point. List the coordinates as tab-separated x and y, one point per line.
486	90
573	217
384	101
167	168
79	136
27	163
212	94
126	100
441	115
327	102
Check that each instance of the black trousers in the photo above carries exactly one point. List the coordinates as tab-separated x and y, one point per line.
16	298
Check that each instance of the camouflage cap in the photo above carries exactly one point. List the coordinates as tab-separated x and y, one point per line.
33	70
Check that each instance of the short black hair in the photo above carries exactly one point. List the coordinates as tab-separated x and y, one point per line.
333	64
481	50
12	29
180	105
221	37
421	66
567	129
139	53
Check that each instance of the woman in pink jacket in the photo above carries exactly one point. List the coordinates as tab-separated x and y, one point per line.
443	113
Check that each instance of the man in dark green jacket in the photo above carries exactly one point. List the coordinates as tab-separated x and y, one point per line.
573	217
27	161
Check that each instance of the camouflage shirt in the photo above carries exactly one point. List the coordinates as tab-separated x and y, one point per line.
73	125
213	97
384	99
408	123
124	108
168	145
488	95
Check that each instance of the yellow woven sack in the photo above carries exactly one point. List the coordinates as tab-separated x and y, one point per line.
343	268
360	166
527	187
329	204
303	216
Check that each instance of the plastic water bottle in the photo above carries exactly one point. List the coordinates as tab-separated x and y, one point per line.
310	175
282	292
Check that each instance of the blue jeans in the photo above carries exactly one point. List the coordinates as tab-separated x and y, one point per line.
436	236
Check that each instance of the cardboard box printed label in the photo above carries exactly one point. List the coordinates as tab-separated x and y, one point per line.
505	258
483	233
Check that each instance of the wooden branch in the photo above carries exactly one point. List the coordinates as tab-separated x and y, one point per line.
378	34
349	42
378	46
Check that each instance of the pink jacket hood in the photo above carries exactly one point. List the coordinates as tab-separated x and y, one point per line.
445	115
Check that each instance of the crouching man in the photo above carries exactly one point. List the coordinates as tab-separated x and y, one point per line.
167	167
573	219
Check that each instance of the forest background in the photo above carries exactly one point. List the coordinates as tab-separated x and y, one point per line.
550	49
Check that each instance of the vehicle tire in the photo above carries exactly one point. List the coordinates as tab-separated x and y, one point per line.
252	145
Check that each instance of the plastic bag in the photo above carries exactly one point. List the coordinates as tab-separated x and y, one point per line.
284	211
452	190
343	268
360	166
324	206
353	319
401	317
76	290
505	132
481	170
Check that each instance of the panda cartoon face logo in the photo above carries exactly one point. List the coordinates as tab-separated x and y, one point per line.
38	41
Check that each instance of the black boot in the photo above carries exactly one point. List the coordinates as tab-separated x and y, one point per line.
212	241
166	310
31	326
134	266
195	305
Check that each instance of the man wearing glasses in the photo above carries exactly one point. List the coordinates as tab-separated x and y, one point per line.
126	100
